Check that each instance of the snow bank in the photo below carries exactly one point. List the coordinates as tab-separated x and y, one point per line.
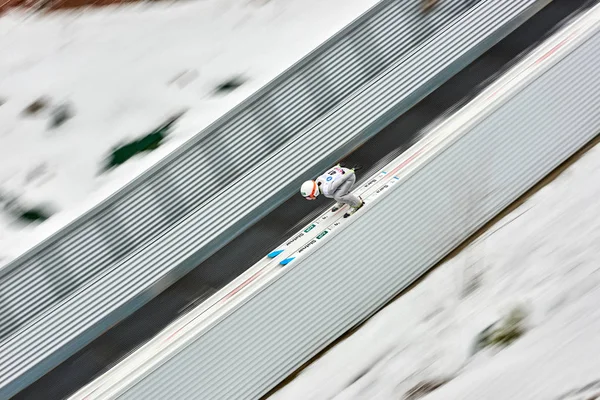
545	256
125	70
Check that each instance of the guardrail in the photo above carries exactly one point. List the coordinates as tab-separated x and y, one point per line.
221	154
337	272
121	289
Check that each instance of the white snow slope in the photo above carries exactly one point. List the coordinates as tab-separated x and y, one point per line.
126	69
544	256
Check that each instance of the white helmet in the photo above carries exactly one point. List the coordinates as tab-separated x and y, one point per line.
310	190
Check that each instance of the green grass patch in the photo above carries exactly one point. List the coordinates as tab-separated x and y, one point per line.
150	141
504	332
12	206
33	215
423	388
230	85
511	328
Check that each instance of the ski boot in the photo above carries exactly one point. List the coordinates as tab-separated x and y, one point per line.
337	206
355	209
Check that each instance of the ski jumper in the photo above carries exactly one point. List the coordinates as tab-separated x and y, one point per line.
337	183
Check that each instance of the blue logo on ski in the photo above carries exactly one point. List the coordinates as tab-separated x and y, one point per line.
287	261
274	254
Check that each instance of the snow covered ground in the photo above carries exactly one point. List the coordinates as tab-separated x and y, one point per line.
545	257
126	69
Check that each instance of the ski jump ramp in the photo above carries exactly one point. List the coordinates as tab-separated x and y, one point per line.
336	272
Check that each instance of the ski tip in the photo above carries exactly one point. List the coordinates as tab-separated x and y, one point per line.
274	253
287	261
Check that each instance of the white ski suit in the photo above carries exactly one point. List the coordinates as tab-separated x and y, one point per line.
337	183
